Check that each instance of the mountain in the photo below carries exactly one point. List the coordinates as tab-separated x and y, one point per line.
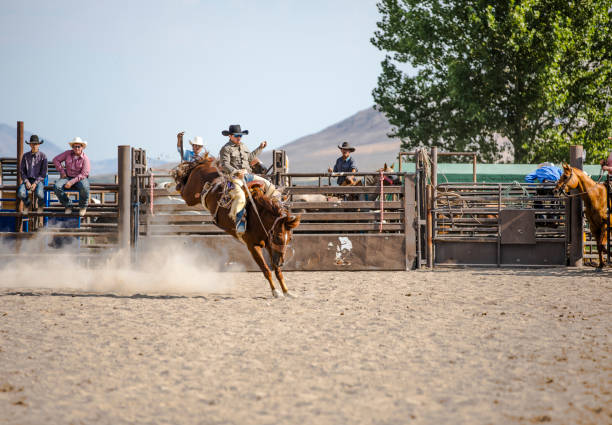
366	130
8	143
8	149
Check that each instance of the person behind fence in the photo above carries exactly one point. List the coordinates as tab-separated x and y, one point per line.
606	164
546	172
74	174
197	144
235	160
345	164
33	172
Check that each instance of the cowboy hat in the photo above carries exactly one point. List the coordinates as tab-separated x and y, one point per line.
77	140
197	140
346	145
34	139
234	129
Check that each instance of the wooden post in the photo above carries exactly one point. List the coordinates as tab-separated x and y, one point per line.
434	167
124	195
18	204
429	201
474	179
576	221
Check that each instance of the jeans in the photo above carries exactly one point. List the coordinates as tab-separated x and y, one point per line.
22	193
82	186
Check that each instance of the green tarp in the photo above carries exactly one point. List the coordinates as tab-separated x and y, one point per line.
489	173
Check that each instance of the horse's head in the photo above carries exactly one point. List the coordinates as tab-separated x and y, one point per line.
567	181
280	237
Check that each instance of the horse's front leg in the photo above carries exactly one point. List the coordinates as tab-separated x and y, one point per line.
601	247
257	255
279	275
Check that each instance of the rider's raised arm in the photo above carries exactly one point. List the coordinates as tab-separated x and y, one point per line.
225	158
255	153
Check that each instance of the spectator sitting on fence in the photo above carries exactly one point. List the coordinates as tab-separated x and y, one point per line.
33	172
345	164
197	144
546	173
73	174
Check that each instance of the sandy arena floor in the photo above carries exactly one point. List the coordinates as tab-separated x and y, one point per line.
460	347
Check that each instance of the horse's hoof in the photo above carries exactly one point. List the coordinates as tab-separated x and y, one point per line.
290	295
599	269
277	294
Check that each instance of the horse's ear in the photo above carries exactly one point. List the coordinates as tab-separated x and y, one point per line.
392	165
565	166
386	166
292	221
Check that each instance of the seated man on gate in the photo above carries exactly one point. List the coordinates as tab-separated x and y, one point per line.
33	172
235	161
73	174
345	164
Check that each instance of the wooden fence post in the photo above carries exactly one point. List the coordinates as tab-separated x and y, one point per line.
124	196
19	178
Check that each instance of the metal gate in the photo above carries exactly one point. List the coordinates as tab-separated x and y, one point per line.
499	225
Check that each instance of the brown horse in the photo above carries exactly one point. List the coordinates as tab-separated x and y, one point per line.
269	226
595	197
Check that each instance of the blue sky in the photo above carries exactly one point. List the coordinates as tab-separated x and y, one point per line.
137	72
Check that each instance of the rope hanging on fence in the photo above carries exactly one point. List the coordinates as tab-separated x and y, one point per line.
423	158
506	194
382	196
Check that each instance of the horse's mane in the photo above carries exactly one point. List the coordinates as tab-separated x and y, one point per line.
583	174
262	201
182	171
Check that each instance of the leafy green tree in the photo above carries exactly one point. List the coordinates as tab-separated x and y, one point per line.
538	72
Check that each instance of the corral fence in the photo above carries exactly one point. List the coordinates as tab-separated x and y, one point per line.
342	227
412	223
499	225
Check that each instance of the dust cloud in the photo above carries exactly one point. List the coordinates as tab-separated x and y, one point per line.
160	267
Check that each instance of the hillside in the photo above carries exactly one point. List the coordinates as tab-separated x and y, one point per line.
8	142
366	130
8	149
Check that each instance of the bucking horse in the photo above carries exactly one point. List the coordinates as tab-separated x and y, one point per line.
269	224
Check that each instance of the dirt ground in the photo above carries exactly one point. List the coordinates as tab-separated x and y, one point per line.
479	346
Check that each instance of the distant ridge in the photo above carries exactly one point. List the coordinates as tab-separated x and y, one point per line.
8	149
8	142
366	130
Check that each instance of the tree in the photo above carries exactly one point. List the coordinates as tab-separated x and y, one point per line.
537	72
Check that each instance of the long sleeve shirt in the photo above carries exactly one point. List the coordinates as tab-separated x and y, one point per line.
343	166
34	166
234	157
76	167
544	174
190	155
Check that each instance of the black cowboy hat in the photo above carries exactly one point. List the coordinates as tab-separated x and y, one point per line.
345	145
34	139
234	129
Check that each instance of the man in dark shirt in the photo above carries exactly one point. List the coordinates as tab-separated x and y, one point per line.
33	172
345	164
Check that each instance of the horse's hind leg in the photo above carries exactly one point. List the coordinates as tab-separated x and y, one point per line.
261	262
279	275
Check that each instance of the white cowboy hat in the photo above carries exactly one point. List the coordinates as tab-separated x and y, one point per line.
197	141
79	141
